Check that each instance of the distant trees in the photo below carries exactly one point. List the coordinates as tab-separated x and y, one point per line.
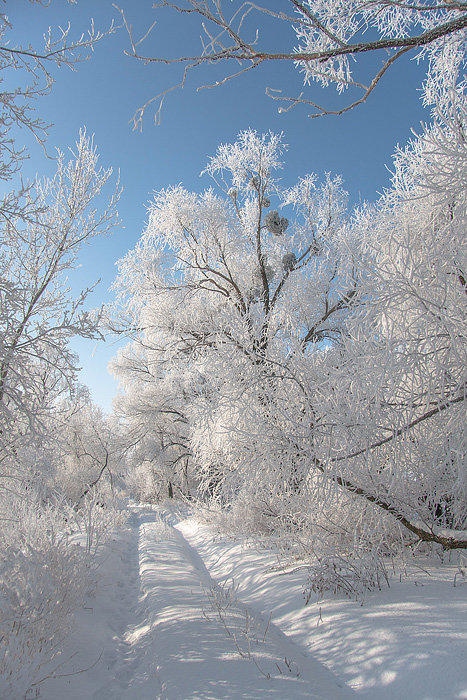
85	450
331	40
154	431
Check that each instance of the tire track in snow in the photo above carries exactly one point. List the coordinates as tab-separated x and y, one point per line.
290	658
131	661
199	654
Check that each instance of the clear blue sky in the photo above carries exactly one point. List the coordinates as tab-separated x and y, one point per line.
104	92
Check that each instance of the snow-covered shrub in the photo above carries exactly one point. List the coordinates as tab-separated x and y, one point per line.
47	566
242	518
346	547
96	517
352	575
43	579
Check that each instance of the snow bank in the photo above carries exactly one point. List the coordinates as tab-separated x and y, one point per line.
408	641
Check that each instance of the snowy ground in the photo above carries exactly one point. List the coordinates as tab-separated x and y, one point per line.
181	614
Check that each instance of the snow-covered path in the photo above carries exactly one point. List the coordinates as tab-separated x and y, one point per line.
181	613
167	631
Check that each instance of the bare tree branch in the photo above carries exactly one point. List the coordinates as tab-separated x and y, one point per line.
225	41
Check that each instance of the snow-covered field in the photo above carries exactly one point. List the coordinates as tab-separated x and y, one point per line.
182	613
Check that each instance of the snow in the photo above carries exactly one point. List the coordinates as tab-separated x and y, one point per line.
407	641
160	627
182	613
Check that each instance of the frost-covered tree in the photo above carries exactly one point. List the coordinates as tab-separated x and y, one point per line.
39	314
388	406
406	417
312	370
43	226
332	38
224	291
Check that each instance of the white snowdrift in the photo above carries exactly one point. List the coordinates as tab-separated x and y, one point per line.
408	641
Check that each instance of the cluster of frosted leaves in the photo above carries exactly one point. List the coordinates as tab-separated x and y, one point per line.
347	21
275	223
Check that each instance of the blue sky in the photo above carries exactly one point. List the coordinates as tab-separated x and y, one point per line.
104	92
